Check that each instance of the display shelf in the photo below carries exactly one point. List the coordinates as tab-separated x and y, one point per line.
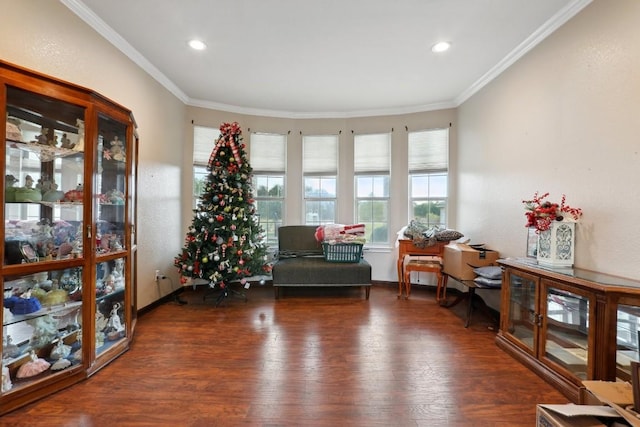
56	309
46	153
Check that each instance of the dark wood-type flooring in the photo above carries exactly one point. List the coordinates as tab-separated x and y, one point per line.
316	357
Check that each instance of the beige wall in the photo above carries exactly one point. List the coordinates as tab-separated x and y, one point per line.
563	119
45	36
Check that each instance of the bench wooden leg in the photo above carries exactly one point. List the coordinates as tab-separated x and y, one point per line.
276	291
367	289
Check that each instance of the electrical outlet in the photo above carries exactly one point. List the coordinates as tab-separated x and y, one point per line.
157	276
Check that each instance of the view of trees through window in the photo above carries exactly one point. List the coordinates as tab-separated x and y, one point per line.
270	203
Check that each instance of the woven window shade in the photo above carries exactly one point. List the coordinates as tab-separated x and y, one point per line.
204	139
268	152
320	155
429	151
372	153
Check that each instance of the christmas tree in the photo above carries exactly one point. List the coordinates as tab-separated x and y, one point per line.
225	241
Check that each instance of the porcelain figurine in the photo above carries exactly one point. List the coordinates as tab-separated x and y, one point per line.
61	350
60	364
32	368
80	144
6	379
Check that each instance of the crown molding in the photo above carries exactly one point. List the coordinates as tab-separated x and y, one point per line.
91	19
319	115
559	19
523	48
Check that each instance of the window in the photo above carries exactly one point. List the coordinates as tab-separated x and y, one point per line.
268	160
372	162
320	168
428	176
204	139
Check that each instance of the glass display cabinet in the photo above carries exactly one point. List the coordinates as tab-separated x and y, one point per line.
68	270
569	325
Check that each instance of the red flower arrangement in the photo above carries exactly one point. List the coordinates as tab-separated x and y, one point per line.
540	213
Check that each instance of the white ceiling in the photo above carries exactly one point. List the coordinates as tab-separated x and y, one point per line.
325	58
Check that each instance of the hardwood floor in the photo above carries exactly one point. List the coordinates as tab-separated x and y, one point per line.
316	357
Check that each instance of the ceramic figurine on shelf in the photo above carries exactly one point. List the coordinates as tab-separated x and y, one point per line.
114	325
65	142
13	129
60	364
116	152
53	194
45	330
114	243
33	367
6	379
28	182
9	349
9	189
60	351
80	144
42	139
109	284
101	324
10	180
44	184
118	274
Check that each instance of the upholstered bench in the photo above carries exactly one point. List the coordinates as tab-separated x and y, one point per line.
301	263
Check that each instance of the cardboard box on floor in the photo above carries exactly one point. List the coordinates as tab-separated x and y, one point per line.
460	259
607	402
546	416
616	394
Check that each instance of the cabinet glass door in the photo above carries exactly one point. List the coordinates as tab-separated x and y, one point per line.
565	342
112	236
44	176
41	327
522	319
110	185
133	239
627	346
110	304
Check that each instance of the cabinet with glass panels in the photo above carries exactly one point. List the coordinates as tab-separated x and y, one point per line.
69	233
569	325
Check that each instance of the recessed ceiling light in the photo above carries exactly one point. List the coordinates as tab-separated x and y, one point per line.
440	47
197	44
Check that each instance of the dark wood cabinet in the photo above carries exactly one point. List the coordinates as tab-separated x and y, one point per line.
69	252
569	324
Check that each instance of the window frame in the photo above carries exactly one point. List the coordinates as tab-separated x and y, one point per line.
374	164
321	166
263	169
430	165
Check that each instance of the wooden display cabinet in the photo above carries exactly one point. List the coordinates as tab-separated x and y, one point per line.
68	270
569	325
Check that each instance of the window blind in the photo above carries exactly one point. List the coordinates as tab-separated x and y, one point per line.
320	155
372	153
204	139
268	152
429	151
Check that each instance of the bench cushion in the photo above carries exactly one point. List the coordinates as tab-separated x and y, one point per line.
315	271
